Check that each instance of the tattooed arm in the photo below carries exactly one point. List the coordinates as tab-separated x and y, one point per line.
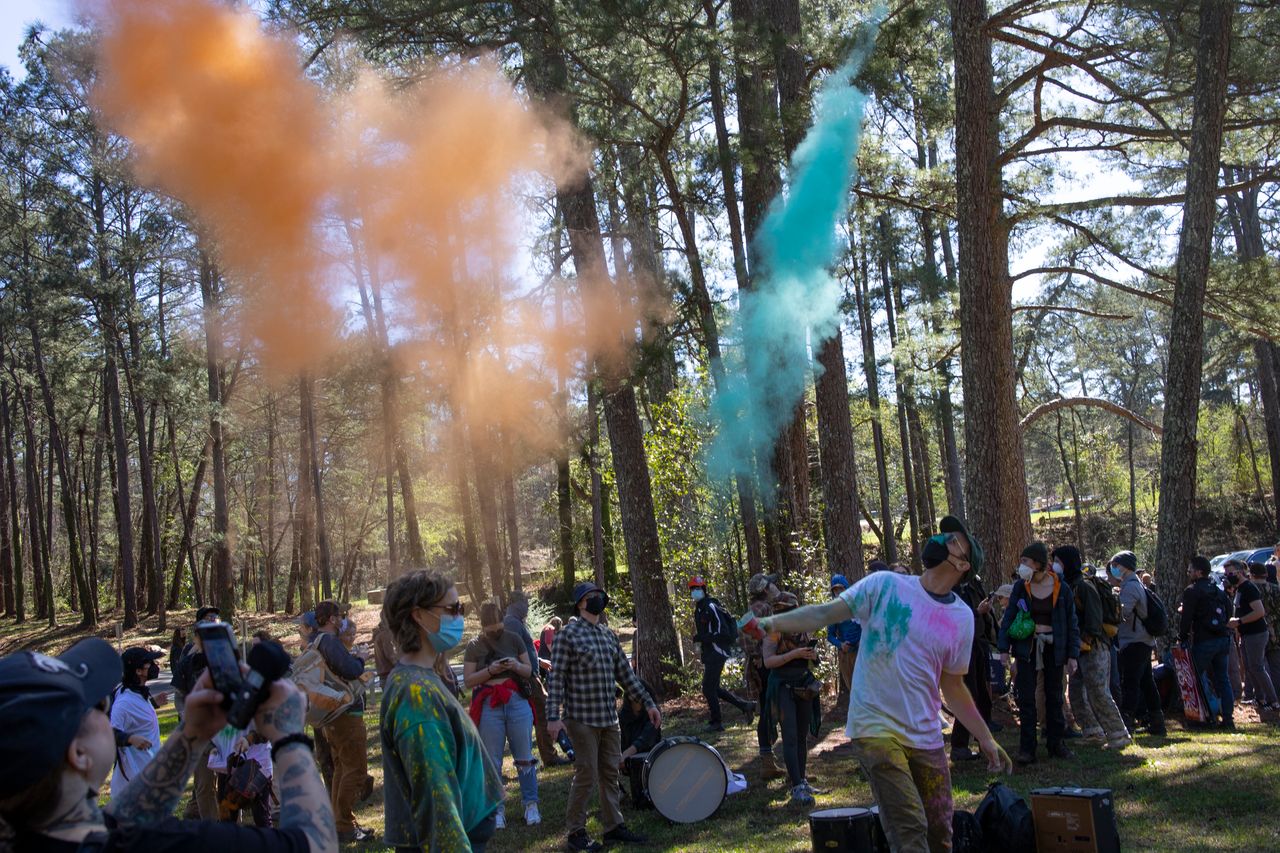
304	802
154	793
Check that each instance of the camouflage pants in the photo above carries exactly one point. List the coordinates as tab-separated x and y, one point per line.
1091	700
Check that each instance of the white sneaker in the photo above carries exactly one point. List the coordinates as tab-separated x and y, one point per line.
1118	743
499	821
531	814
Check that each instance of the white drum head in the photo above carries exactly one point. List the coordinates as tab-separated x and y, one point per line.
687	782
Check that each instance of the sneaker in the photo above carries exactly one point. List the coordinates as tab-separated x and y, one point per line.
621	835
531	814
1118	743
1060	751
581	841
1072	734
1025	758
800	795
1093	734
808	786
499	821
1225	725
359	835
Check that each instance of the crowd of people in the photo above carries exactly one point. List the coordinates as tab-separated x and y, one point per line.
1074	648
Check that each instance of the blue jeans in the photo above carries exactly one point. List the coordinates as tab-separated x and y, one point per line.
1210	659
512	723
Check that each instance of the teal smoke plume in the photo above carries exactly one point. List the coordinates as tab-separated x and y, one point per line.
794	294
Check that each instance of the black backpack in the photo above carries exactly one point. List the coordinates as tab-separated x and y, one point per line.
1157	619
1005	821
966	833
1212	613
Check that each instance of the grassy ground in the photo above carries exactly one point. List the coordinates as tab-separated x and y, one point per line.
1187	792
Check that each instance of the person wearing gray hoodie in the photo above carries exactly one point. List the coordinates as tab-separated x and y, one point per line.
1135	645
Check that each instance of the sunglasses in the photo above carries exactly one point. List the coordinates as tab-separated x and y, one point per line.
455	609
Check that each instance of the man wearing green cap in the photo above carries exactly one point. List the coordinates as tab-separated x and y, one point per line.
916	640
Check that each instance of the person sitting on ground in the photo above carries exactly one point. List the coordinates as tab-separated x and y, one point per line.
133	716
58	750
346	735
1051	649
844	637
587	661
916	639
714	630
496	668
1091	699
791	698
441	788
1205	625
638	736
1135	645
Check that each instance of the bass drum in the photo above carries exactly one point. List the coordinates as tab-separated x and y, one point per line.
850	830
686	779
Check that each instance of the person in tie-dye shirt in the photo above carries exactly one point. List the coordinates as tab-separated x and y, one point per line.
914	653
440	786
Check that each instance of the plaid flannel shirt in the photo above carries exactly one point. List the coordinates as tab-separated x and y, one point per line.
586	661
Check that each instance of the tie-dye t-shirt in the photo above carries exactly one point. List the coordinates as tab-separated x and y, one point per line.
909	639
438	781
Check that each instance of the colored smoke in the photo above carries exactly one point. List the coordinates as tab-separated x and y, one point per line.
302	191
793	295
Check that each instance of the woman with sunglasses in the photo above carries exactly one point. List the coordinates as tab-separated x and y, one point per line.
441	789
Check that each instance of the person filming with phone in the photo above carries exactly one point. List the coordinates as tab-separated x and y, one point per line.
496	667
59	747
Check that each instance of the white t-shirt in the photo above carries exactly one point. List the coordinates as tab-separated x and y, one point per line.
133	715
909	639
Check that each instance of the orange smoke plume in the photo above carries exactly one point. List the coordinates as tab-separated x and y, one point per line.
416	190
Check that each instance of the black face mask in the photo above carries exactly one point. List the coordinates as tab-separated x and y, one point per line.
1232	580
153	671
595	605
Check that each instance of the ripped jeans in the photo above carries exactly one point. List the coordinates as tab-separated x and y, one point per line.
512	723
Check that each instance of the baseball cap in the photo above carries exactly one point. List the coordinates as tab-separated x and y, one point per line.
760	582
136	656
951	524
697	581
309	619
205	612
42	702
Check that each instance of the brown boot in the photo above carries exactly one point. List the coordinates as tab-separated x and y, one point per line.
769	769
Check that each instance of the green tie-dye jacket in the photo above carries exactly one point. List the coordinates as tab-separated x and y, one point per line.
438	781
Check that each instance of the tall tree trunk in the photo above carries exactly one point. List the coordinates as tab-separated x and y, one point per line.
222	590
6	541
742	483
306	392
42	574
656	646
512	514
151	536
11	519
907	452
599	503
66	483
304	513
470	553
995	480
272	543
482	475
870	368
1175	526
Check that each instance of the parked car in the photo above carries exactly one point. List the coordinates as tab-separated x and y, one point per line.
1265	554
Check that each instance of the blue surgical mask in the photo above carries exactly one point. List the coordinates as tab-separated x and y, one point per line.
698	595
449	635
1115	572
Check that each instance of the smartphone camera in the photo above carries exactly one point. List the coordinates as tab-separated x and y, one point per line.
242	694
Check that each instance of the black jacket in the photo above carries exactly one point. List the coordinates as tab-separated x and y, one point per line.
713	628
1205	611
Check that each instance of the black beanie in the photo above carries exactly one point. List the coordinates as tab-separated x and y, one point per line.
1037	551
1069	556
